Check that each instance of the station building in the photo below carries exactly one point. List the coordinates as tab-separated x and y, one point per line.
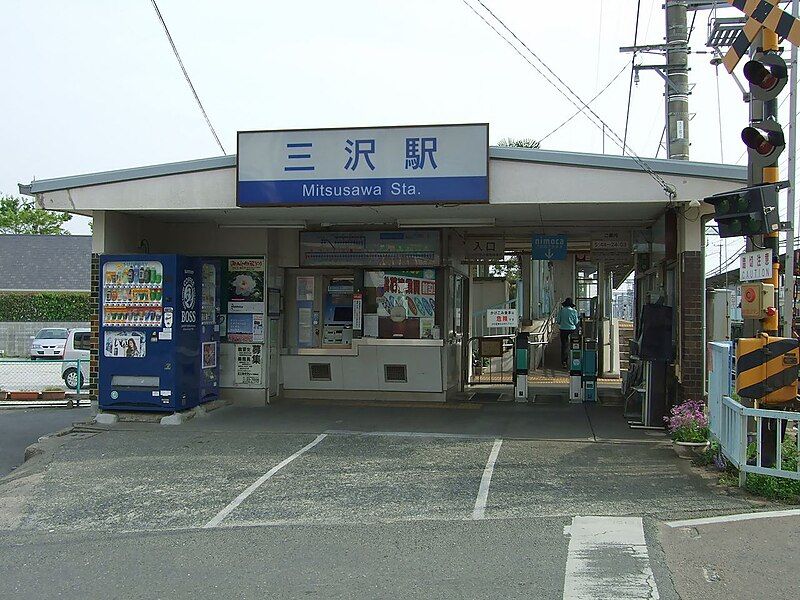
368	294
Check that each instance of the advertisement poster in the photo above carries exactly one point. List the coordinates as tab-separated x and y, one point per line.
305	288
358	305
249	367
209	360
239	327
244	285
413	291
258	328
125	344
370	248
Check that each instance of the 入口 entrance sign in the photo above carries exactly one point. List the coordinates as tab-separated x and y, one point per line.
754	266
548	247
501	317
486	248
380	165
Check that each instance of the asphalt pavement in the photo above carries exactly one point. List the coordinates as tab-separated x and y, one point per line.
360	501
21	427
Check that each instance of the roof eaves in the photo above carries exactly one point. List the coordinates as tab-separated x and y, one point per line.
608	161
176	168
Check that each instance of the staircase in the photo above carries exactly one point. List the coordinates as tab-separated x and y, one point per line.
625	336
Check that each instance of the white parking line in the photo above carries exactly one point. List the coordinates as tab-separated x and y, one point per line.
218	518
607	559
732	518
486	480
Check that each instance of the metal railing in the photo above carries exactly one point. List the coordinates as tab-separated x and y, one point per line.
495	370
538	340
51	382
736	426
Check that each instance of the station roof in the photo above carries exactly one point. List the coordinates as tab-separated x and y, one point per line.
734	173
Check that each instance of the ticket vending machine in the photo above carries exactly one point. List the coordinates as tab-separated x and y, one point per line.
159	332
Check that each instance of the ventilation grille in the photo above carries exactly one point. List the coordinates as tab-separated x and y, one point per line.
319	371
395	373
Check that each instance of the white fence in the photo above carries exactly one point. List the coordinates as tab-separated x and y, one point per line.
734	426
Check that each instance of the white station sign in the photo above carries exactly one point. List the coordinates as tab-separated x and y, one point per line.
754	266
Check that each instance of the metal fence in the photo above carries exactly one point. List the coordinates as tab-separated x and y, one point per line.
53	382
736	427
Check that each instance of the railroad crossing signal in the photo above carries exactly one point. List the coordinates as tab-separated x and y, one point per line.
748	211
761	13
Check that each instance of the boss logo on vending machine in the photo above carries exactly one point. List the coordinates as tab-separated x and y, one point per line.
188	314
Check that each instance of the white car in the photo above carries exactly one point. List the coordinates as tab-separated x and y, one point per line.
78	347
49	343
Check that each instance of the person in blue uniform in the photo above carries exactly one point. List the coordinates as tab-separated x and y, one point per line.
567	324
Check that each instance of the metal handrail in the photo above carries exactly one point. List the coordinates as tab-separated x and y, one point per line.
546	334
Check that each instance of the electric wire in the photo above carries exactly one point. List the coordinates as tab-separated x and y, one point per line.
633	68
186	76
596	96
599	122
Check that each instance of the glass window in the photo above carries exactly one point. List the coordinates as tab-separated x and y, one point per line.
52	334
82	341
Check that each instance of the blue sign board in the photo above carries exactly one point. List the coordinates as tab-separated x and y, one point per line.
549	247
386	165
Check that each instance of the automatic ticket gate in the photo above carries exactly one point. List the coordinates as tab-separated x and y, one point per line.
583	363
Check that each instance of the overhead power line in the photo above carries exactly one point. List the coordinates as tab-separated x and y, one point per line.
579	111
571	96
633	68
186	76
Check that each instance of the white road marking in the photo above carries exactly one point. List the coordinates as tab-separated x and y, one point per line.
420	434
607	559
486	480
733	518
218	518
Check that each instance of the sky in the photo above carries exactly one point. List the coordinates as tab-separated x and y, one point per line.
92	85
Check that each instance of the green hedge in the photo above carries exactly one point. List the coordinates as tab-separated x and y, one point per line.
45	306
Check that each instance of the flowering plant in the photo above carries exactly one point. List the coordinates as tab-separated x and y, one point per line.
687	422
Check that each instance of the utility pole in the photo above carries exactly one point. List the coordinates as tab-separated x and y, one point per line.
676	89
675	73
788	277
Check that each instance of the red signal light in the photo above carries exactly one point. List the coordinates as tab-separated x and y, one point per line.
759	75
754	139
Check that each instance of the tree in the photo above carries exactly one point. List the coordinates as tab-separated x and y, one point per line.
511	270
518	143
21	215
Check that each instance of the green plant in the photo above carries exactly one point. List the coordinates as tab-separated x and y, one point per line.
45	306
776	488
711	456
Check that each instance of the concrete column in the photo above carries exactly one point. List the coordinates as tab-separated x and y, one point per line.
524	288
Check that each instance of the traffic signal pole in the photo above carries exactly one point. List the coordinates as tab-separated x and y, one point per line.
771	174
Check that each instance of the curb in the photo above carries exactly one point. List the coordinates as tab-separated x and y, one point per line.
106	417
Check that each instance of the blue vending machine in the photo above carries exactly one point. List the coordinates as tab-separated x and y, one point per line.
159	332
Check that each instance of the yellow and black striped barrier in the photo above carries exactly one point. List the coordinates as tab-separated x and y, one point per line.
767	368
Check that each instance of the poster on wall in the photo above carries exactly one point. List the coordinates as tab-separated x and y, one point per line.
258	328
244	285
413	291
125	344
239	327
249	366
209	360
305	288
